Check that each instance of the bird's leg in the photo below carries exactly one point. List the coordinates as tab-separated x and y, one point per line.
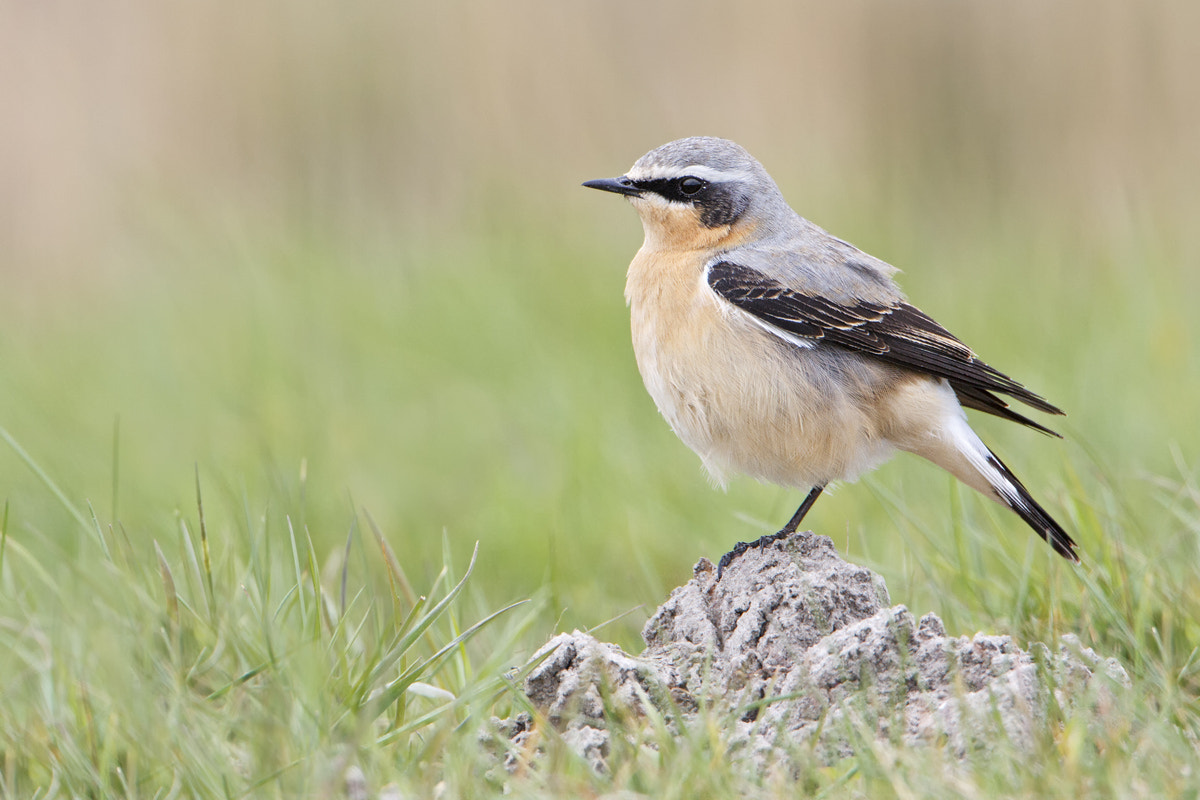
798	517
788	530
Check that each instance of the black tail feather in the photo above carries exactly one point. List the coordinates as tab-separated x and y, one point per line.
1034	515
983	400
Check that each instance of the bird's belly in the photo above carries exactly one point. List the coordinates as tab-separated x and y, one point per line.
748	402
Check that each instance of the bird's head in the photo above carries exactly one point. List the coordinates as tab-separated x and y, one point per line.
699	191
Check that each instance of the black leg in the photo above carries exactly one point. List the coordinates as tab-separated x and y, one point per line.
798	517
788	530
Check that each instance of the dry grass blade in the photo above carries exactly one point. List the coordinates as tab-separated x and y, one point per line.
395	571
168	582
204	551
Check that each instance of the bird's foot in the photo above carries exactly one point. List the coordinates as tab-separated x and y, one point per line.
742	547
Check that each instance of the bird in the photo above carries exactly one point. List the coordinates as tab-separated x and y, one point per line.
777	350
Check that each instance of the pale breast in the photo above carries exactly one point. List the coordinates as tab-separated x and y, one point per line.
740	397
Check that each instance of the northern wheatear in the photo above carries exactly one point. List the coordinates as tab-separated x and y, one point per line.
777	350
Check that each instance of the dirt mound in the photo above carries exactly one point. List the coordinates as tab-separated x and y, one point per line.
802	644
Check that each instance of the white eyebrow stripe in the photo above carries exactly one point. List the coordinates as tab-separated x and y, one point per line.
701	171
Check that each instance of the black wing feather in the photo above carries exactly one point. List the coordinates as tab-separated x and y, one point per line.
896	333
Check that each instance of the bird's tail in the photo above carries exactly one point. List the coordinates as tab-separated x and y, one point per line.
987	473
1017	497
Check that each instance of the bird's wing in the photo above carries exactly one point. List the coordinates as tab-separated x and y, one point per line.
891	330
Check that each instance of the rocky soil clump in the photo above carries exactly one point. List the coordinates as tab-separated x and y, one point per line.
800	645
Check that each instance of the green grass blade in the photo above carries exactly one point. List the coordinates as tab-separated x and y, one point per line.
429	665
116	467
297	572
421	625
46	480
3	536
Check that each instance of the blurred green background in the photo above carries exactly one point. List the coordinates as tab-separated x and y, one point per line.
337	257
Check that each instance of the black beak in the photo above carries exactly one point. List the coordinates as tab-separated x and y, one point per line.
620	185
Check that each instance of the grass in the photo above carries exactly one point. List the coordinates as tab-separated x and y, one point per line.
234	665
296	312
251	663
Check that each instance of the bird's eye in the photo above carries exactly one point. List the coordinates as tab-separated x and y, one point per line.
689	185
